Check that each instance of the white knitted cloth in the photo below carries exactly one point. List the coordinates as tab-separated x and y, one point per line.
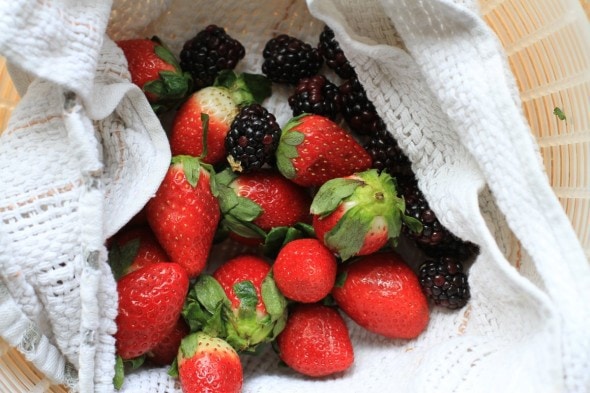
83	152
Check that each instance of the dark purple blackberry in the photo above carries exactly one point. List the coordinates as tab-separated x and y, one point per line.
451	245
252	139
387	155
433	232
209	52
316	95
356	108
444	282
335	59
288	59
435	240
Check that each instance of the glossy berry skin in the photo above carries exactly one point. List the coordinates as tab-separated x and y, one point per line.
186	135
315	95
150	302
335	58
134	247
156	71
184	214
166	350
314	149
287	59
208	364
209	52
305	270
241	268
382	294
283	203
315	341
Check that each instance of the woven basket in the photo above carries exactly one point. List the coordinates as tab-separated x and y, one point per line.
548	46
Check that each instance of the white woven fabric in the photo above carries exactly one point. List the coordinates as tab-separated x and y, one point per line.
439	79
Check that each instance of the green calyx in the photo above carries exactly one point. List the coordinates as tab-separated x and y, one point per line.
172	86
121	257
238	213
123	366
367	197
245	88
208	310
287	149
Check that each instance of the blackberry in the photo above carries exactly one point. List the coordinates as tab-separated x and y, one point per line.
209	52
433	232
387	155
316	95
288	59
451	245
444	282
435	240
356	108
335	59
252	139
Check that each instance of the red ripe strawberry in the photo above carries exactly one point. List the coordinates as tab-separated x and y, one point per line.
222	103
382	293
254	203
166	350
315	341
305	270
239	303
184	214
208	364
156	71
132	248
314	149
358	214
150	303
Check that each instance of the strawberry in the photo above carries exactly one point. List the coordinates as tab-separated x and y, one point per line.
156	71
208	364
221	102
313	149
132	248
359	214
166	350
381	293
305	270
315	341
239	303
150	303
254	203
184	213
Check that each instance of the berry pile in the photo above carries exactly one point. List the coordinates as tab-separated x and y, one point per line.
313	207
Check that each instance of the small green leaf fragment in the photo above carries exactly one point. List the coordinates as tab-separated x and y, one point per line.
348	235
121	257
173	369
557	111
341	279
332	193
119	377
293	138
274	302
246	292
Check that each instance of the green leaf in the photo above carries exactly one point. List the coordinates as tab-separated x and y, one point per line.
284	164
246	292
274	241
293	138
332	193
210	293
173	369
348	235
259	86
191	167
241	228
273	299
226	78
557	111
120	258
164	53
246	210
414	224
119	377
340	279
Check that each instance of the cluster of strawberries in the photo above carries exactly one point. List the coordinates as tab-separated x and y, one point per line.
318	222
